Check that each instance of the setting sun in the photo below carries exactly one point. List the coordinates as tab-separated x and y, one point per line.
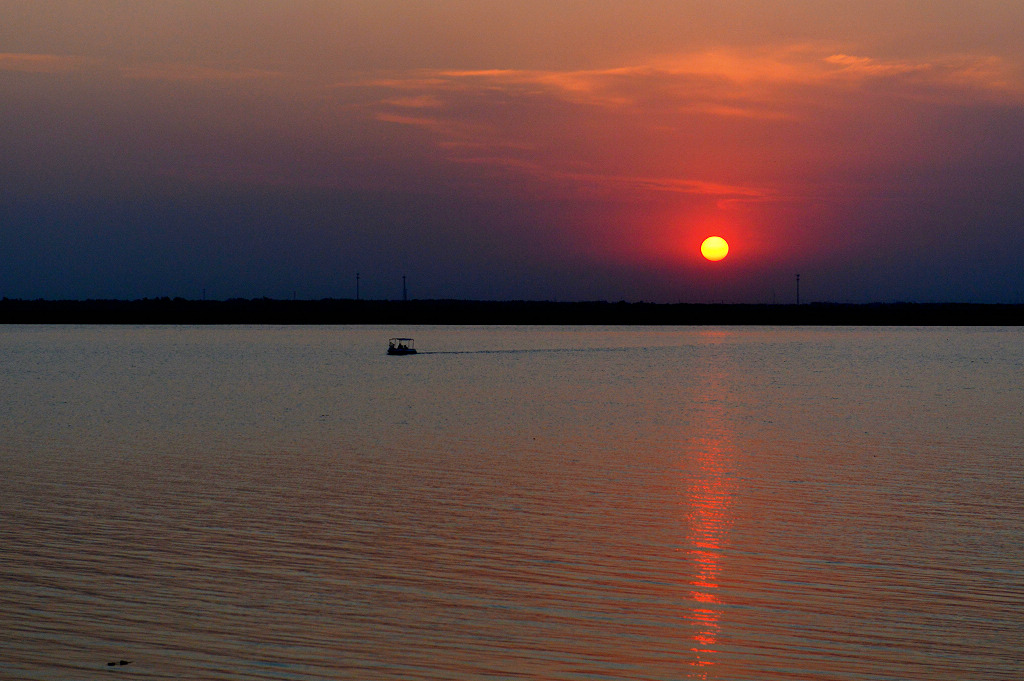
714	248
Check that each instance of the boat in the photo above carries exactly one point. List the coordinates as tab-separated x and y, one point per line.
401	346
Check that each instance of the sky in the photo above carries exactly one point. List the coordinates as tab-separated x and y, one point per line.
538	150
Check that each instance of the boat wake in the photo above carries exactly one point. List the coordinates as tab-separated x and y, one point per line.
521	351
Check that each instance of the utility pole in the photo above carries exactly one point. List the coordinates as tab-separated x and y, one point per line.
405	294
357	286
798	289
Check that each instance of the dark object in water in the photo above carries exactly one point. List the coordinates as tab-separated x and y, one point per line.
401	346
119	663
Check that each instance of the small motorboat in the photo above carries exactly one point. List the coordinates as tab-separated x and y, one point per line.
401	346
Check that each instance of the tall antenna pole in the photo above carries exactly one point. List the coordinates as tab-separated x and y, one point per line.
405	294
798	289
357	286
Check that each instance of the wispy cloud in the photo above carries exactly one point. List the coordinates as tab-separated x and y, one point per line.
866	66
415	102
711	75
425	122
619	182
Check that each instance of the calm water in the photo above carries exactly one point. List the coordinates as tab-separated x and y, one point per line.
515	503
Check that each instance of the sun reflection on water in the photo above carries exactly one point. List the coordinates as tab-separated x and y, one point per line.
707	503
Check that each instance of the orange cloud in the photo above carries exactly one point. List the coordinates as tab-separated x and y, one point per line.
872	67
415	121
738	126
724	69
417	102
725	83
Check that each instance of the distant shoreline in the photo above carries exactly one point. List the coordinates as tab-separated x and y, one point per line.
469	312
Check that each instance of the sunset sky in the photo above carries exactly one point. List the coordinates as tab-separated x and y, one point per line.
537	149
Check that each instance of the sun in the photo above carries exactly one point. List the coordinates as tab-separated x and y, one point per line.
714	248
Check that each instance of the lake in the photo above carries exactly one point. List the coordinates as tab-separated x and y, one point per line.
577	503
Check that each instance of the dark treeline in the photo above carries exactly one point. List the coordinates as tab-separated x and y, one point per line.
341	311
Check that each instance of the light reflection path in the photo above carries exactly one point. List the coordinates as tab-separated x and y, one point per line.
707	505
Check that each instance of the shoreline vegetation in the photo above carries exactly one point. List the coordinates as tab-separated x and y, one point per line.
469	312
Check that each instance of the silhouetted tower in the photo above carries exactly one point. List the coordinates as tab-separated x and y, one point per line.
405	293
357	286
798	289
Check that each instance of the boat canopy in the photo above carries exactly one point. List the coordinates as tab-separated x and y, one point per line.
401	346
